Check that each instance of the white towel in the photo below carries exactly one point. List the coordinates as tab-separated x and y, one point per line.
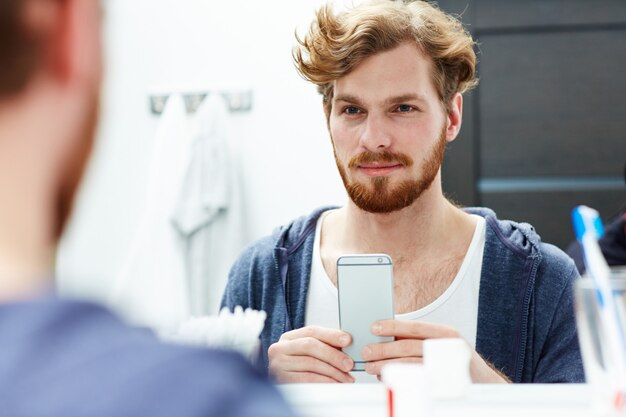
151	288
208	215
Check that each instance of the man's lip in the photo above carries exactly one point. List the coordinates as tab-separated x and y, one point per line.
376	170
368	166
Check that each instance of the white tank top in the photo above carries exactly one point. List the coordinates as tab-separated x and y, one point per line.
457	307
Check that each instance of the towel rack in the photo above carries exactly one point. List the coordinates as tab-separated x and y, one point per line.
237	101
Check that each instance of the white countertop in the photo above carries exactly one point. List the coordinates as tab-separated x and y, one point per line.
483	400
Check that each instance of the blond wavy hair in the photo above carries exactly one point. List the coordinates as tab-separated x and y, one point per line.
337	42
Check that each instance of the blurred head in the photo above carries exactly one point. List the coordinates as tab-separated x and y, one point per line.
338	42
50	53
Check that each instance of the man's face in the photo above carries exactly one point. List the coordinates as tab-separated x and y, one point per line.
389	129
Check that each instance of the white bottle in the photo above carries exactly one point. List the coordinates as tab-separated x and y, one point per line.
407	389
446	363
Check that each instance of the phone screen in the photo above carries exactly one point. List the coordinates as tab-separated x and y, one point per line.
365	288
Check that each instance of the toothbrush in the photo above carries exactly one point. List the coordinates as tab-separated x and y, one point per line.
589	229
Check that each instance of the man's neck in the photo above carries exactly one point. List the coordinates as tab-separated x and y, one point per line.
21	281
410	233
26	232
26	254
427	242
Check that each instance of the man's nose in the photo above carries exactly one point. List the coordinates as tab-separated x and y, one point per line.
376	134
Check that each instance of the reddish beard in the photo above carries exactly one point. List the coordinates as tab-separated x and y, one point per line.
379	196
73	173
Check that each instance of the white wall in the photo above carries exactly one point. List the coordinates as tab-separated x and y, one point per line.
197	45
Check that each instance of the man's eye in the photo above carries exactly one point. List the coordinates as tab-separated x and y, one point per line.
404	108
352	110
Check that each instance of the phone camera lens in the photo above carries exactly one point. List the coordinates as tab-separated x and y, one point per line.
380	260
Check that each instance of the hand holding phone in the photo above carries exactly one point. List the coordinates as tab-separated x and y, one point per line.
310	354
365	288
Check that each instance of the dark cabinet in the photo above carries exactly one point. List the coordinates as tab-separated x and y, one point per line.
546	128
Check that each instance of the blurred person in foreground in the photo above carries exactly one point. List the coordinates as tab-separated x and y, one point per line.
71	358
392	75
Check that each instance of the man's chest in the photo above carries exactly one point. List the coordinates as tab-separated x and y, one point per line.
416	284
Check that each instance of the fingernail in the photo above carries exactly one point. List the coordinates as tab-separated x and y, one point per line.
347	364
366	353
344	340
376	328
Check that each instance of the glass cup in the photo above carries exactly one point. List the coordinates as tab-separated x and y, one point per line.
592	335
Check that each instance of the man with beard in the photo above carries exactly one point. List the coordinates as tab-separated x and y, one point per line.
70	358
392	75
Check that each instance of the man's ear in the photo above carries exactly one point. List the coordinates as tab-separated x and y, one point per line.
454	117
86	39
71	30
46	21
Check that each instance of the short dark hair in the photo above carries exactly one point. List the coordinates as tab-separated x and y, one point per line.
19	48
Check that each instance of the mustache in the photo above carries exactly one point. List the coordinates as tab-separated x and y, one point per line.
384	156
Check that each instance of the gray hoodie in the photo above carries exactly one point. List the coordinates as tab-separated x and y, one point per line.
526	326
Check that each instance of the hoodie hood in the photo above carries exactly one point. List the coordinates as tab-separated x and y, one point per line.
521	238
292	236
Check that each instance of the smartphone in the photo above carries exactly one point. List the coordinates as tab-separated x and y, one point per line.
365	288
